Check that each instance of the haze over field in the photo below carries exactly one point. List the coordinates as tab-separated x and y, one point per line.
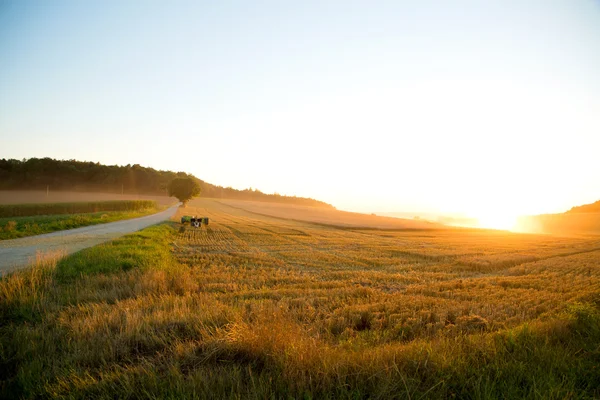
276	199
483	108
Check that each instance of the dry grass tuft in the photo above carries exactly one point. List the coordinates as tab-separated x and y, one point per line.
27	292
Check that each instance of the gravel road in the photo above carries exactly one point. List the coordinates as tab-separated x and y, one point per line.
18	253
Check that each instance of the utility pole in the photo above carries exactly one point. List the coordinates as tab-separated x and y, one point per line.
47	190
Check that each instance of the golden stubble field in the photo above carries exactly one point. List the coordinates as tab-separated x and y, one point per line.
327	216
40	196
256	306
384	286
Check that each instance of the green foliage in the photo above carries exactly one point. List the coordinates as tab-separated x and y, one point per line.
184	189
39	173
23	210
586	319
142	250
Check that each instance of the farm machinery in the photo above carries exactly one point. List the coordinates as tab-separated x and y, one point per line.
194	221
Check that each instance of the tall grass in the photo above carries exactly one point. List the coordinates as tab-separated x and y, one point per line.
23	295
23	210
258	308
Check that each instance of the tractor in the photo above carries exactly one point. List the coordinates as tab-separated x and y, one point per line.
194	221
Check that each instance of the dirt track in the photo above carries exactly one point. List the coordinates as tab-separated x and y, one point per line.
18	253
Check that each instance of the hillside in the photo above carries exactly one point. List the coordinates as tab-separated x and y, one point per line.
330	217
584	219
586	208
82	176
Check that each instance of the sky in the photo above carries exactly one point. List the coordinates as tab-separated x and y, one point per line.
473	107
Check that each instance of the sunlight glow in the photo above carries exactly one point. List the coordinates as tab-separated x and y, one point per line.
400	107
502	221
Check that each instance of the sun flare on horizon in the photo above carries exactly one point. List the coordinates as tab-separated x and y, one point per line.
498	220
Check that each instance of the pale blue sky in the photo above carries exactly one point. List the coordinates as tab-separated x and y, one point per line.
455	106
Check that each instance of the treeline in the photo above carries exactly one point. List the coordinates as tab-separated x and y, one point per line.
584	219
72	175
39	173
586	208
219	192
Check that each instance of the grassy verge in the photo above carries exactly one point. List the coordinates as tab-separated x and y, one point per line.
17	227
126	320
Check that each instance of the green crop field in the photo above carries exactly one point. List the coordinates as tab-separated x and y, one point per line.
25	210
259	306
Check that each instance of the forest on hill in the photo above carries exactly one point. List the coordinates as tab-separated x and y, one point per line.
579	220
586	208
73	175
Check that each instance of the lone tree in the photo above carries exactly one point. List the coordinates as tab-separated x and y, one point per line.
184	189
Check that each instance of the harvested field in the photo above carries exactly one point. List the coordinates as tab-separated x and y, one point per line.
326	216
255	306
